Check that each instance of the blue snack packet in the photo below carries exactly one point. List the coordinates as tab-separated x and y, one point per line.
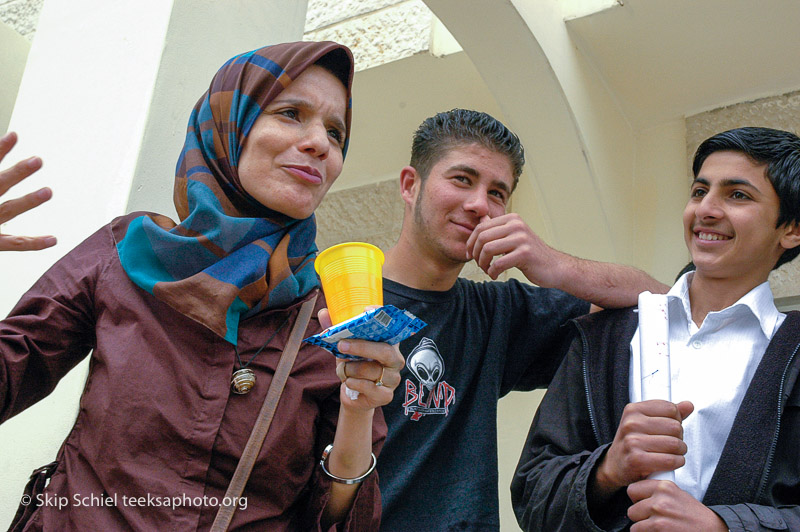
386	324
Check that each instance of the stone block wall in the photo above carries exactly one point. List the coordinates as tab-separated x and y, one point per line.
780	112
370	213
377	31
22	15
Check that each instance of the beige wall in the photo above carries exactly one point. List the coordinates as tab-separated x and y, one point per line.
369	213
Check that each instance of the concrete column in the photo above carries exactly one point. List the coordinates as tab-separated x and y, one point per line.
203	34
104	100
12	63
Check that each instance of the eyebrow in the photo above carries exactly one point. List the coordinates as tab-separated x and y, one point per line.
474	173
335	121
730	182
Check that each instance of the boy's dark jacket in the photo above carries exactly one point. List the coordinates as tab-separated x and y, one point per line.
756	485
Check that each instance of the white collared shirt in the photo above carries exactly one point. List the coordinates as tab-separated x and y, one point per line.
711	366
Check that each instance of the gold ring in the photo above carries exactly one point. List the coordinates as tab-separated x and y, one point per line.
379	382
341	371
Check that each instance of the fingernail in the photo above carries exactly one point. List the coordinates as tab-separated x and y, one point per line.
44	193
50	241
344	345
34	162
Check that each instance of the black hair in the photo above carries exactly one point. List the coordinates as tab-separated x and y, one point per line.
337	63
688	268
440	133
780	152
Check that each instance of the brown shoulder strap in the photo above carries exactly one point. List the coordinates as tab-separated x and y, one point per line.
256	440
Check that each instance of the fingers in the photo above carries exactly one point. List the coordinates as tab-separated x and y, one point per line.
341	369
7	142
370	371
26	243
365	375
646	456
482	224
324	318
662	505
12	208
507	242
18	172
649	439
654	498
684	409
385	354
493	238
644	489
369	394
651	417
656	408
14	175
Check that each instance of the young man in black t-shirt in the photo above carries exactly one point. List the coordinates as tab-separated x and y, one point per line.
438	468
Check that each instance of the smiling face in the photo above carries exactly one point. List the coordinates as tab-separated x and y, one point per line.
467	184
729	221
293	154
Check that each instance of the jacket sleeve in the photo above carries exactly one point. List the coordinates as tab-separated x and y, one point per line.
365	513
537	319
549	489
51	328
751	517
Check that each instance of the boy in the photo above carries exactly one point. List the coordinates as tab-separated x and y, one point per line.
734	368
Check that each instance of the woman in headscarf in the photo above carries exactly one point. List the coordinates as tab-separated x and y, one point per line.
186	323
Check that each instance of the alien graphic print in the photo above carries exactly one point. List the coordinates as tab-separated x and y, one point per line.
430	394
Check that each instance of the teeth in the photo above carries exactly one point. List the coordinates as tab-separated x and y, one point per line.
711	236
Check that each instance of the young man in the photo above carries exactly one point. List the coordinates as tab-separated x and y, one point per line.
438	468
731	433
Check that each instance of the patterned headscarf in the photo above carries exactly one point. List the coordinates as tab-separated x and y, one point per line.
230	256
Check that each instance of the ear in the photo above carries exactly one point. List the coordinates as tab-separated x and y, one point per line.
409	185
791	236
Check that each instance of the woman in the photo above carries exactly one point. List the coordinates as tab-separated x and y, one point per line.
170	312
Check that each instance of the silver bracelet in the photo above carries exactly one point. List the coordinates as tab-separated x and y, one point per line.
327	452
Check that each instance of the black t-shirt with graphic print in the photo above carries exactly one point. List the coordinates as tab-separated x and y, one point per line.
438	468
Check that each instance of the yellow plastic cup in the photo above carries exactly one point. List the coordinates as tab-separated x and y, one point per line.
351	278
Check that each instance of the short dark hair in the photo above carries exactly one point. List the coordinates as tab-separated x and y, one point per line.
780	151
440	133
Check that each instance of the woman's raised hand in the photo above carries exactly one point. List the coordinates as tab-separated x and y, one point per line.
12	208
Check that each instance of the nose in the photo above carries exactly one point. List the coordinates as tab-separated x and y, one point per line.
315	140
477	202
709	207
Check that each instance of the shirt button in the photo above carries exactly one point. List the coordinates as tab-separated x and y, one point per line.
697	344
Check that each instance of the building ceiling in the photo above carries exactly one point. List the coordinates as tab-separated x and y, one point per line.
663	59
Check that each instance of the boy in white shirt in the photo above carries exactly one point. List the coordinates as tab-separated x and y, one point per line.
734	366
